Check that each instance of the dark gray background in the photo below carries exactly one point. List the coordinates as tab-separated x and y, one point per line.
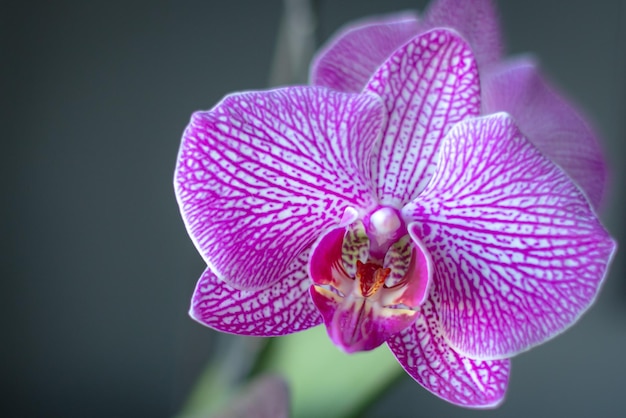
97	269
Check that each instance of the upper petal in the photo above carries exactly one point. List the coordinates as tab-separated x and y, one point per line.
424	353
282	308
476	20
428	85
350	58
548	121
519	255
262	174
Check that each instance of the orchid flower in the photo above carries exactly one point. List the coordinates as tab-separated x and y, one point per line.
402	212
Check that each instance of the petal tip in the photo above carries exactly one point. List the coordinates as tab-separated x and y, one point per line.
348	58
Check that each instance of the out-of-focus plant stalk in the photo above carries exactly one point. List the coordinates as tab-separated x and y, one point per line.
226	371
295	44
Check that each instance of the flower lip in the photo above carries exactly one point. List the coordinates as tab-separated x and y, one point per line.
366	295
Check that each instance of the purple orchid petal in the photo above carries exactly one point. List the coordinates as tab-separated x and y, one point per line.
262	173
350	58
475	20
519	255
280	309
548	121
423	352
428	85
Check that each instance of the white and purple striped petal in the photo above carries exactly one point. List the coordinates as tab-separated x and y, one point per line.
519	254
548	121
350	58
424	353
262	174
428	85
282	308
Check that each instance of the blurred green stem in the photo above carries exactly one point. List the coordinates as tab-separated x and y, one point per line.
235	358
324	381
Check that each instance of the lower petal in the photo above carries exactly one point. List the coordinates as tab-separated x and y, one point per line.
426	356
280	309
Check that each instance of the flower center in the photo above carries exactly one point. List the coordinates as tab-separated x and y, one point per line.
369	279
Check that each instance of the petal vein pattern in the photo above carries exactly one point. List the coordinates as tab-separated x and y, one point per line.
350	59
428	85
519	254
424	353
283	308
261	174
